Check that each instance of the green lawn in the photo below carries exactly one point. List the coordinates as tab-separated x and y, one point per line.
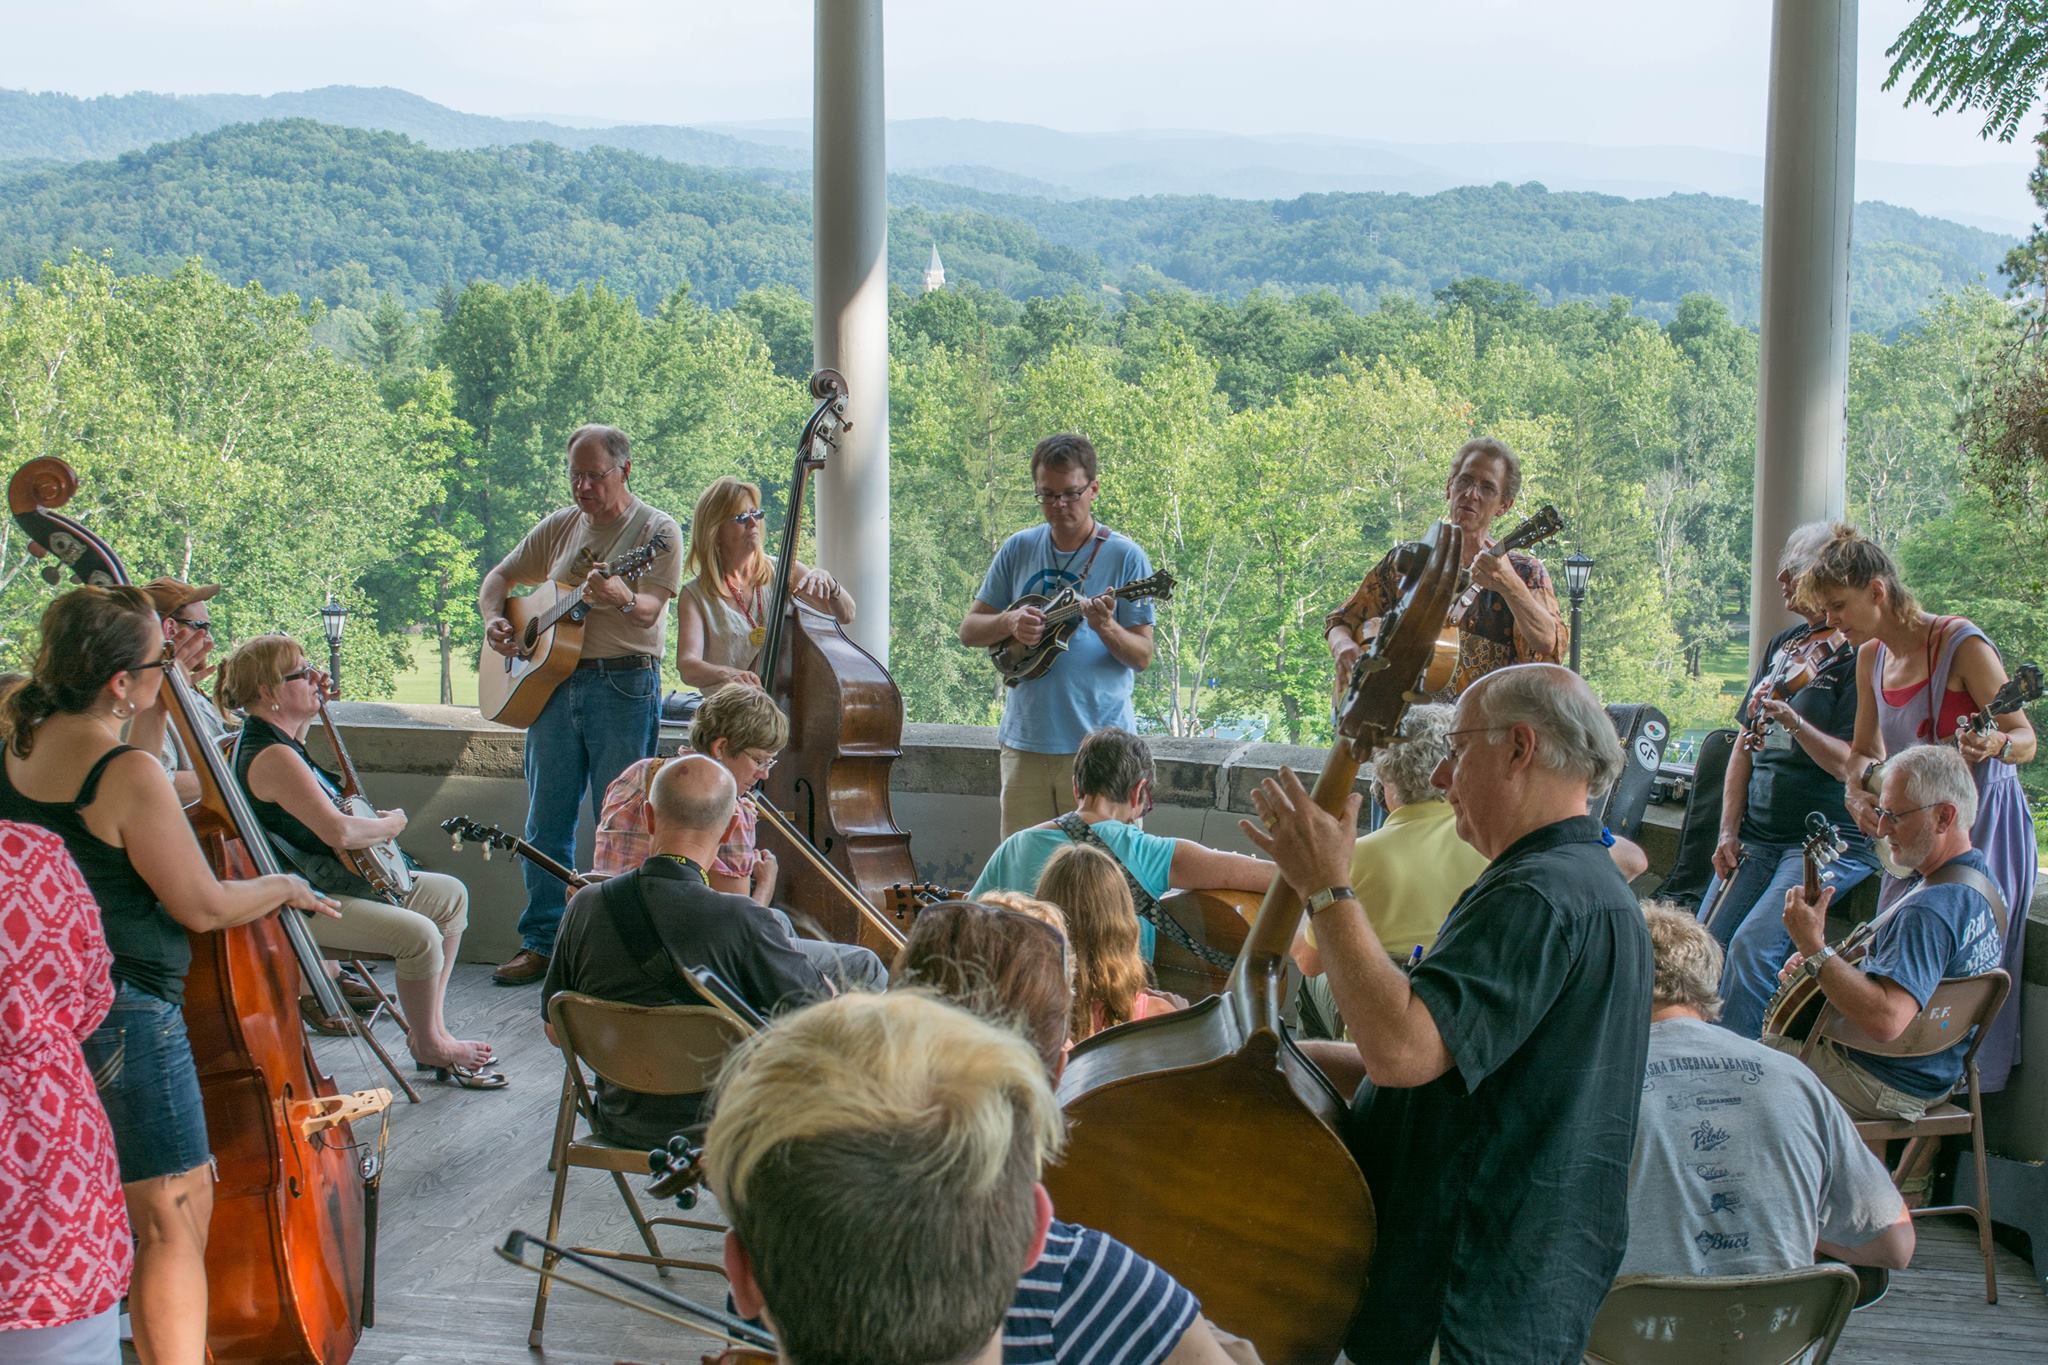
422	682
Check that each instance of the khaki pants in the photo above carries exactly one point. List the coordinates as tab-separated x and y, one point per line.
410	933
1862	1094
1036	788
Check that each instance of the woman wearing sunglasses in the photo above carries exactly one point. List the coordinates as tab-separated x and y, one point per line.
269	680
100	667
722	612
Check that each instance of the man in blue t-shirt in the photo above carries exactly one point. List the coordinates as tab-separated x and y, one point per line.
1949	924
1089	684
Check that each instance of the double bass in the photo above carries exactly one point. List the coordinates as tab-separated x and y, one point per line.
292	1241
831	827
1204	1140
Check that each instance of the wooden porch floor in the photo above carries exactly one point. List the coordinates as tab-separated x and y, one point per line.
464	1167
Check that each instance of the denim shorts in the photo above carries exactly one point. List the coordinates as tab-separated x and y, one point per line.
142	1063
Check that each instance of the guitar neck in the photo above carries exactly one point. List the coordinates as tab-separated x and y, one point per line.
564	606
1080	604
351	784
567	876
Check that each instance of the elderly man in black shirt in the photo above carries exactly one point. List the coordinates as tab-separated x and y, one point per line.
742	942
1499	1118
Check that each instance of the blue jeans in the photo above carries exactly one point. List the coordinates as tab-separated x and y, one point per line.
598	723
141	1062
1748	919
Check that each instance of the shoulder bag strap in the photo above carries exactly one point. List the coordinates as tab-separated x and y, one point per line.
625	900
1081	832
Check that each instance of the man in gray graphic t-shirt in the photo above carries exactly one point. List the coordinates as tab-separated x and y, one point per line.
1744	1162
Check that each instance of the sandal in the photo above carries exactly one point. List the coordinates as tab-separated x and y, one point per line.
467	1077
320	1023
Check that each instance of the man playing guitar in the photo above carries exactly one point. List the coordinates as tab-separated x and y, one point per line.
1046	718
1515	619
606	714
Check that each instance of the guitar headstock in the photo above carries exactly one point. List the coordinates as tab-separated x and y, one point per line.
638	560
461	829
1159	585
1386	678
2021	689
1546	523
1822	845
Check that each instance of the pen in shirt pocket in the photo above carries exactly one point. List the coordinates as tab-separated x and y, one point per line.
1415	957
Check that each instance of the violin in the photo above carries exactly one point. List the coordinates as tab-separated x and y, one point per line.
1795	667
293	1239
1255	1204
830	788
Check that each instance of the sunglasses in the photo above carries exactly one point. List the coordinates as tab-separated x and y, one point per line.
303	671
749	518
144	668
203	627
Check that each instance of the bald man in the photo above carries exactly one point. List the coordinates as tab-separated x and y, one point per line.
629	938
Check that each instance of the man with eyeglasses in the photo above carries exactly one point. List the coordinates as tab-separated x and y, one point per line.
605	715
1514	1046
1089	686
188	625
1515	619
1950	922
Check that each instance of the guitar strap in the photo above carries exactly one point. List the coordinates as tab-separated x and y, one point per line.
629	534
1952	874
1081	832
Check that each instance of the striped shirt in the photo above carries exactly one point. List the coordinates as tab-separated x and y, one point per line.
1091	1300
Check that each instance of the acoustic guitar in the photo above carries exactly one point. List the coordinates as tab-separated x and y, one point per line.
1443	659
1204	1140
1018	662
2021	689
547	630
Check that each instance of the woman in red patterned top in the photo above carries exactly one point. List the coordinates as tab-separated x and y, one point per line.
65	1247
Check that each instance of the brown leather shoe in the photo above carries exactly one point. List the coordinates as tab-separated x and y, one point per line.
525	968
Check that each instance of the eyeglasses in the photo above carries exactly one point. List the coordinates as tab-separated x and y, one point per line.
144	668
1061	497
302	671
580	480
203	627
1450	735
749	518
1892	817
762	766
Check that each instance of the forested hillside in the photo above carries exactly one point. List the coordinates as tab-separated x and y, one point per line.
345	215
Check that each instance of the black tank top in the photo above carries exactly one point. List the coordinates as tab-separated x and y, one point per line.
151	951
301	847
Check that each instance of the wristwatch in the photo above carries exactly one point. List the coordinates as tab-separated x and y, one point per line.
1327	897
626	608
1813	964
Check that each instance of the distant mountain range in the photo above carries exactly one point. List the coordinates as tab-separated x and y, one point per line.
1021	158
345	214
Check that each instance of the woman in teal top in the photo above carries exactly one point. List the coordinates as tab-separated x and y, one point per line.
1113	786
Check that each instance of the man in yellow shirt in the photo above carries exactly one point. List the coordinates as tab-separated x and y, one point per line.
1409	872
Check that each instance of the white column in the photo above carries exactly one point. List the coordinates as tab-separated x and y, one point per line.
1803	369
850	227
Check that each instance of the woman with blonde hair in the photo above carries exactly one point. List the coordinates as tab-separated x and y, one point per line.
269	679
1919	680
1111	985
722	611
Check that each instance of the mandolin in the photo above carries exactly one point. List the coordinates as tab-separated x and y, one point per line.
1443	659
382	864
1205	1140
1018	662
547	626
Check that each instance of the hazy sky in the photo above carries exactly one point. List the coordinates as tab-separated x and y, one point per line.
1617	72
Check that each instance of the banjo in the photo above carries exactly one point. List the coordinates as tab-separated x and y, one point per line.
383	864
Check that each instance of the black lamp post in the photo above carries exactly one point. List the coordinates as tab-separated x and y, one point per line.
334	616
1578	569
